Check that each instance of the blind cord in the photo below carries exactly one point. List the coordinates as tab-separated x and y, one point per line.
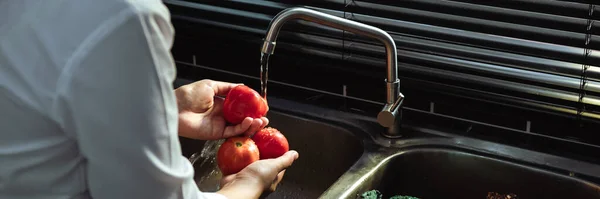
584	67
345	55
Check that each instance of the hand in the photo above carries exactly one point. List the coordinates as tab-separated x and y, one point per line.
200	112
262	175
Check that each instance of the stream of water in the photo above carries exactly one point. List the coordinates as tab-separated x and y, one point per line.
264	74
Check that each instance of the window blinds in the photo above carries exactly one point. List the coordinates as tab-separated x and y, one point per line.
539	55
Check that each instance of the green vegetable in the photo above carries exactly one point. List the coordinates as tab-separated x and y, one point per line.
373	194
403	197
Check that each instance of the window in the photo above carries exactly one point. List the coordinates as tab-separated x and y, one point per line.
528	66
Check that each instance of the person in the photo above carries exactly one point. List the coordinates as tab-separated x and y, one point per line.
87	107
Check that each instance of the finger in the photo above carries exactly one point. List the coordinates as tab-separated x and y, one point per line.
276	181
257	124
217	107
226	180
222	88
265	122
279	177
285	160
238	129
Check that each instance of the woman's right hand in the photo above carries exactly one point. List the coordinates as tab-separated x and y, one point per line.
260	176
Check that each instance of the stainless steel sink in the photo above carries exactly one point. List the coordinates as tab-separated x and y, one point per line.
326	153
446	173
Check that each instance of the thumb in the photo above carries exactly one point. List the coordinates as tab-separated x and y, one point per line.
222	88
285	160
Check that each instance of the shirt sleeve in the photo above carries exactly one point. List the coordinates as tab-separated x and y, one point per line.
117	101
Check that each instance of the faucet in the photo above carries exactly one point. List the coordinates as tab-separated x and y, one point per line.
391	115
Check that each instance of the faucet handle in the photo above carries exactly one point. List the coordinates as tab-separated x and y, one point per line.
387	116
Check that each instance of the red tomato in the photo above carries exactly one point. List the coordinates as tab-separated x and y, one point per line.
241	102
235	154
271	143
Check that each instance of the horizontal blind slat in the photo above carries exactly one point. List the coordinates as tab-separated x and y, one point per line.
563	8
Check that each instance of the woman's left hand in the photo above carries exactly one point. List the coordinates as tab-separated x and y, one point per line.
200	112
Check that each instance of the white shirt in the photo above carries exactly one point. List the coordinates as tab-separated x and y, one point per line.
87	108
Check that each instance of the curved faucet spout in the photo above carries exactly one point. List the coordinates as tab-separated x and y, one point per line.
388	117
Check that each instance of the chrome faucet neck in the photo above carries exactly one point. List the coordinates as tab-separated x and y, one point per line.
389	116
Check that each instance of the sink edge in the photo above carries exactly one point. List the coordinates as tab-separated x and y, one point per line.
352	183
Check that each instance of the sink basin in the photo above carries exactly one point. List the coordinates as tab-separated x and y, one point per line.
326	152
446	173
